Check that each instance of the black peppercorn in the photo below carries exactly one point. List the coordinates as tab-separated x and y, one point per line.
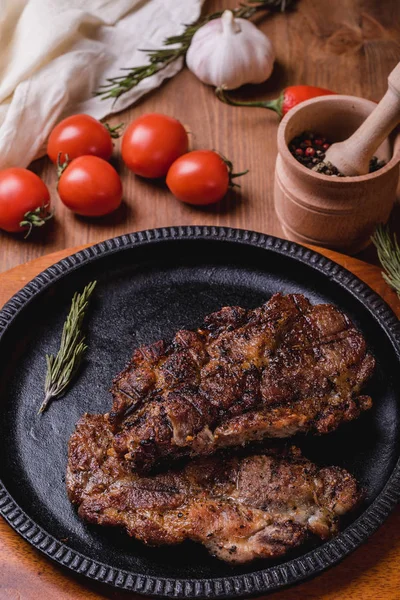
309	149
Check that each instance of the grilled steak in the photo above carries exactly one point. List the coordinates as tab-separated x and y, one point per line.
274	371
240	508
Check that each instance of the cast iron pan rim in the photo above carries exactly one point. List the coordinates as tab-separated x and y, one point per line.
260	582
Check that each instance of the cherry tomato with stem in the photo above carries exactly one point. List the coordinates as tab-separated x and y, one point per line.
81	135
24	200
201	177
152	143
90	186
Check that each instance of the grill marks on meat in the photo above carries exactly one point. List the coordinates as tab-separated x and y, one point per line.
240	508
274	371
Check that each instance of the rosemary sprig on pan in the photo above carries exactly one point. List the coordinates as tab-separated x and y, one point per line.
159	59
389	255
62	367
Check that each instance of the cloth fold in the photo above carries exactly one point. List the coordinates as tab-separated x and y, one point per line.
54	54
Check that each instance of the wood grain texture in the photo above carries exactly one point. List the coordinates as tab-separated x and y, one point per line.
370	573
332	213
346	45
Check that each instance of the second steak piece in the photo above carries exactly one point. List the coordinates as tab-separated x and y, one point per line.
239	507
274	371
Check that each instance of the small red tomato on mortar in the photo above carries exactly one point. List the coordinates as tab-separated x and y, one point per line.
80	135
290	97
90	186
24	200
152	143
201	177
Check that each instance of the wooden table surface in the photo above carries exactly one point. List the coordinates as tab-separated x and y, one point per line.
347	45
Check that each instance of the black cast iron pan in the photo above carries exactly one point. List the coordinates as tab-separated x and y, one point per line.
151	284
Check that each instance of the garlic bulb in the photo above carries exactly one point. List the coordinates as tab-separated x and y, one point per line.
230	52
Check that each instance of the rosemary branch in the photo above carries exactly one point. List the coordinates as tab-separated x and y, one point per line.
159	59
389	256
62	367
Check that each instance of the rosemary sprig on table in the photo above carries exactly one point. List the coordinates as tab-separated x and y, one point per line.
159	59
62	367
388	250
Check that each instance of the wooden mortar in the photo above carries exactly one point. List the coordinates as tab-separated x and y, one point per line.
335	212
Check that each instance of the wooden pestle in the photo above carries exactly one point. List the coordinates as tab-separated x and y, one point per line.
352	156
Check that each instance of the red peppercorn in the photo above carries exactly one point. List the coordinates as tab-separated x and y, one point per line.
310	151
326	146
308	142
299	151
318	142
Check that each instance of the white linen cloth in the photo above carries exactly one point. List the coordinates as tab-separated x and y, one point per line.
54	54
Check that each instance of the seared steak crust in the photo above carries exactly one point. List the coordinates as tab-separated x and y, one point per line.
240	508
274	371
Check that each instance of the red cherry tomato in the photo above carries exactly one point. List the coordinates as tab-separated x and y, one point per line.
24	200
151	144
199	177
90	186
79	135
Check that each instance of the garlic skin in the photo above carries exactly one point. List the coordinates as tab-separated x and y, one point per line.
229	53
